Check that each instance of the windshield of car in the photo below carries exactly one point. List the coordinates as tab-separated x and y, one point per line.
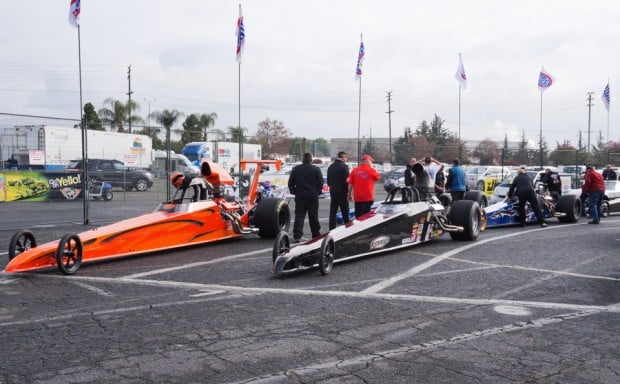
508	180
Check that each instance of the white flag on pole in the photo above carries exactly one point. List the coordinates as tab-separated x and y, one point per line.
460	73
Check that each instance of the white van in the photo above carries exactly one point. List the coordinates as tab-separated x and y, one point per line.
178	163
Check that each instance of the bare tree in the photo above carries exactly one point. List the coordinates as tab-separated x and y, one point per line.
488	152
274	137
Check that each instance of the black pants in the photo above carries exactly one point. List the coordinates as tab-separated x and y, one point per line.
457	195
362	207
335	203
529	196
312	208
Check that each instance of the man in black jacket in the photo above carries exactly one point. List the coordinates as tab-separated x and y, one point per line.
306	183
554	183
523	187
337	174
609	173
409	175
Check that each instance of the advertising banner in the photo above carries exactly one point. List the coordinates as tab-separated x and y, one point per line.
40	186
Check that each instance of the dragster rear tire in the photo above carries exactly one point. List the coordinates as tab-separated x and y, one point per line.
272	216
477	196
571	206
469	215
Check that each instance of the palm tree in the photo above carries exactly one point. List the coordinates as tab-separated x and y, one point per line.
205	121
167	119
236	133
116	113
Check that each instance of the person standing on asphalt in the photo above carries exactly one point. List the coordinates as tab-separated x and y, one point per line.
594	188
362	185
440	181
457	181
432	166
609	173
337	174
306	183
554	182
409	175
523	188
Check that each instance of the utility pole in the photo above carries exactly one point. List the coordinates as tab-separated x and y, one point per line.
589	105
389	112
129	94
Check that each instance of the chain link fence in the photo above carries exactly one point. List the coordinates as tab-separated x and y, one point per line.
40	190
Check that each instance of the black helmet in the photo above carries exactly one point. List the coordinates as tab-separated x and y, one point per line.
389	184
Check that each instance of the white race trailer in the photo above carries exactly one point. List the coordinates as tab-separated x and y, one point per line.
51	148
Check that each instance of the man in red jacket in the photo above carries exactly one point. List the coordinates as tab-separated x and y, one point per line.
594	187
362	185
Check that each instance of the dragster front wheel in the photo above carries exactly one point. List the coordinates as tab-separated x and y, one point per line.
281	246
21	241
328	251
69	254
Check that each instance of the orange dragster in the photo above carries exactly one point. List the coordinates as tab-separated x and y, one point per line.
200	212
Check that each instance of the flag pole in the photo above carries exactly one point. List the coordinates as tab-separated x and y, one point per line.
607	126
459	121
540	142
240	130
359	119
358	76
240	43
84	137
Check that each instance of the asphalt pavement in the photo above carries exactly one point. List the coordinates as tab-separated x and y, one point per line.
519	305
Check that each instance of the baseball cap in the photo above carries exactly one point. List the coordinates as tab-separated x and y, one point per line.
367	157
342	153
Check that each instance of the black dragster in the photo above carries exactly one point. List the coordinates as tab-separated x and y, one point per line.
403	219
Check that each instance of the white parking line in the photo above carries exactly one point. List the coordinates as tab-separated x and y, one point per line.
192	265
89	287
419	268
380	296
308	371
549	271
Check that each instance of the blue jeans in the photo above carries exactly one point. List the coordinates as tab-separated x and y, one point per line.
594	200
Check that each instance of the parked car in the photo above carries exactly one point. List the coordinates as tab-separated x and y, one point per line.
500	192
395	173
115	173
471	175
496	173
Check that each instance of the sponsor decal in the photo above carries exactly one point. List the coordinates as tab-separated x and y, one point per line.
379	242
65	181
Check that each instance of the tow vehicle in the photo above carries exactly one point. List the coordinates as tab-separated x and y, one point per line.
403	219
199	212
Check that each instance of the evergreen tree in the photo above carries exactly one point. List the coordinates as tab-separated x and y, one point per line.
91	118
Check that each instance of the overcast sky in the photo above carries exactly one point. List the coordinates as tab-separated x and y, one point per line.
300	57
